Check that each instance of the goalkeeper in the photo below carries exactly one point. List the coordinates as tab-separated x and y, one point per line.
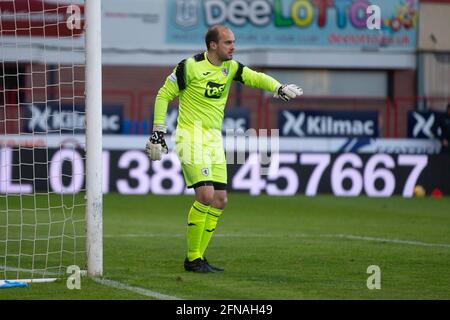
202	83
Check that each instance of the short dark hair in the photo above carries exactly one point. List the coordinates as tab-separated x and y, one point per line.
212	34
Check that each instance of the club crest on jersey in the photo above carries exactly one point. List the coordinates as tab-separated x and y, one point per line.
205	172
214	90
225	71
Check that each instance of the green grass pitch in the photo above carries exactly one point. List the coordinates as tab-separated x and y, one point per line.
272	248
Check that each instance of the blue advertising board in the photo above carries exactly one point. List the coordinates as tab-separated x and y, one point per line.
424	124
53	118
234	118
312	123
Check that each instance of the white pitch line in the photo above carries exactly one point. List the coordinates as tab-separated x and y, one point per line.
142	291
416	243
103	281
289	235
33	271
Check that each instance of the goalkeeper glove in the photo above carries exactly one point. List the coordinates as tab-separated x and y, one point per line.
156	144
287	92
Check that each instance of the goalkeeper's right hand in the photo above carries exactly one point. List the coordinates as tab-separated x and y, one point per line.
156	144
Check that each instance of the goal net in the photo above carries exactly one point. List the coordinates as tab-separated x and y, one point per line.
44	133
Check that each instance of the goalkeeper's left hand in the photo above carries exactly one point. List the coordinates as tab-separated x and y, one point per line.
156	144
287	92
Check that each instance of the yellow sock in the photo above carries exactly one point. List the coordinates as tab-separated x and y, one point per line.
196	224
210	225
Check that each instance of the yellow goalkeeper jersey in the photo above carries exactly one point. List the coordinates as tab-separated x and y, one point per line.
203	90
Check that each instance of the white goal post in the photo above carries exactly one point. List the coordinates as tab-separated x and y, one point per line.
50	139
94	138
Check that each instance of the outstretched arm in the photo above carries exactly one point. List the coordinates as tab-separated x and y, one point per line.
263	81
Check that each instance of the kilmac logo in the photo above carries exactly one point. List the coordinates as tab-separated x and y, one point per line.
214	90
